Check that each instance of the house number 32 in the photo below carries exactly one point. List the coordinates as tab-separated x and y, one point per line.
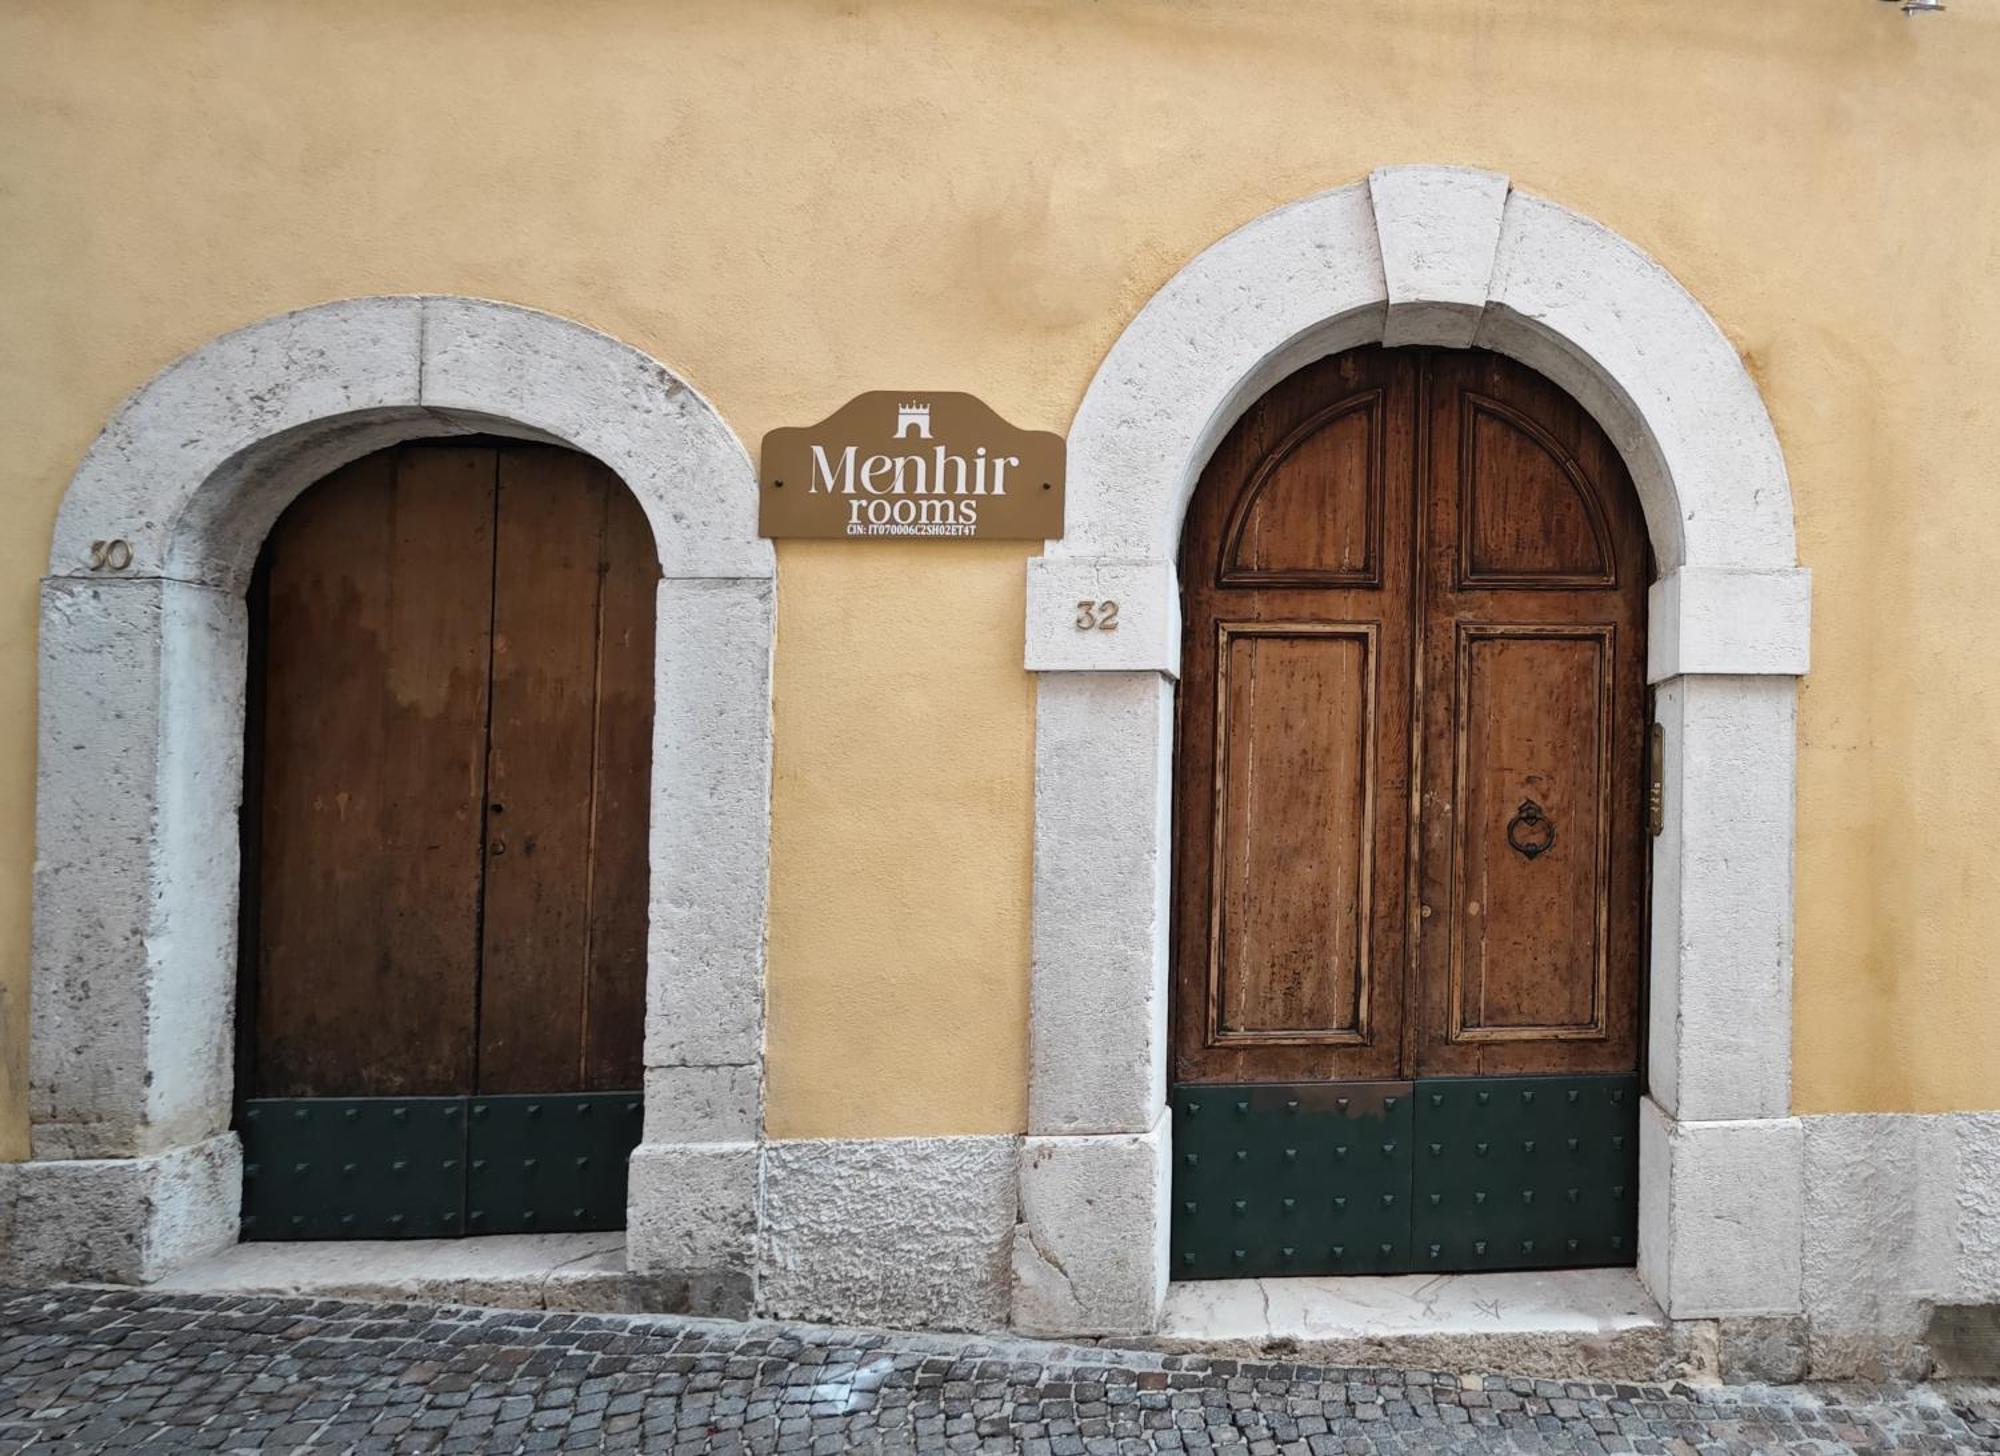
1097	616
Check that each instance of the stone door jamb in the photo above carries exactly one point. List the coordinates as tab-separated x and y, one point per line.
133	1167
1452	257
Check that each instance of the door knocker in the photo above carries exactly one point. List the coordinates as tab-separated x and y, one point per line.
1530	832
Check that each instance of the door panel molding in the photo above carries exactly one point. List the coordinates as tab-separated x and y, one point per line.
1265	482
1357	922
1582	493
1598	815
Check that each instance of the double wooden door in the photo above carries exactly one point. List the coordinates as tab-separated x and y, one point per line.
449	749
1410	814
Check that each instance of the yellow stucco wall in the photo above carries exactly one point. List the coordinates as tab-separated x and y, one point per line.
792	202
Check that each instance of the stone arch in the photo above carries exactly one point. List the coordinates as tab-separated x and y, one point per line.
1452	257
133	1166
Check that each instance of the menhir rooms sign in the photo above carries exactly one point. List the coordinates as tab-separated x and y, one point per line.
913	465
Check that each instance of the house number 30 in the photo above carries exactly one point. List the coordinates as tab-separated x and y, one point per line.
1097	616
110	555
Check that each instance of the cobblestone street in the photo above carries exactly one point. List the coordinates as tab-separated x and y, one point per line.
91	1370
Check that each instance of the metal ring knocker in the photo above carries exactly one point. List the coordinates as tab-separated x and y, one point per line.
1531	832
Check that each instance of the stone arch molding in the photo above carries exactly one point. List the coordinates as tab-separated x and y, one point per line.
133	1167
1452	257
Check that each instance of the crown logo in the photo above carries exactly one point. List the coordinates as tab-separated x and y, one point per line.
913	417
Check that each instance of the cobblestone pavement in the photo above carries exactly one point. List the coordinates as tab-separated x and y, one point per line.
96	1370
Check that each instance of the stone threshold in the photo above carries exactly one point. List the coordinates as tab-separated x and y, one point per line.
583	1272
1597	1323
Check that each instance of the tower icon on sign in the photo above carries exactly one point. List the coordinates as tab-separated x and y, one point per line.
913	417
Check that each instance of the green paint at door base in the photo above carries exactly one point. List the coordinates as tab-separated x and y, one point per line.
1438	1175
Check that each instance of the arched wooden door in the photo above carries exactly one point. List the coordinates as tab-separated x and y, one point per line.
1411	844
445	873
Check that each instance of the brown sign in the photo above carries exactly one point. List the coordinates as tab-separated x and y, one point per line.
913	465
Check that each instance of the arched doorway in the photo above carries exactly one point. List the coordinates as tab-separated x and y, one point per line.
448	750
1410	817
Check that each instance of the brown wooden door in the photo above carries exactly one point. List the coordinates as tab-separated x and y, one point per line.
450	735
1410	831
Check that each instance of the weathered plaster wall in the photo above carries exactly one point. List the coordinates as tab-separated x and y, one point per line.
792	202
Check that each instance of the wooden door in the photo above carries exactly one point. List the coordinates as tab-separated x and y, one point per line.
1410	843
450	742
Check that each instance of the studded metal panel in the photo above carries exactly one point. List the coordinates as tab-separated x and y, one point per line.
1291	1179
353	1168
539	1164
1525	1172
435	1167
1439	1175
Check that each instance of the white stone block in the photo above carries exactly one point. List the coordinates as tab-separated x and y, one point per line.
1975	1192
99	760
1199	352
1090	1254
1720	1031
141	725
1102	917
1610	325
1720	1215
665	441
1066	635
1871	1253
704	1104
1439	229
914	1232
1729	621
225	400
191	1021
691	1208
127	1220
711	827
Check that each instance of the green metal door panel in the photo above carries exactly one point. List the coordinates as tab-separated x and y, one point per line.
353	1168
435	1167
1525	1172
539	1164
1439	1175
1286	1179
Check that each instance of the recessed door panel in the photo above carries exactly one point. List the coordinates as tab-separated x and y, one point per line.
1311	513
1527	515
1295	740
1529	901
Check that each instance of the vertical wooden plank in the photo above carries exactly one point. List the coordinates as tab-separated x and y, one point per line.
536	933
378	615
620	880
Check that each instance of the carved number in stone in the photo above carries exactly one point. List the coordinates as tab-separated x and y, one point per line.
1097	616
113	555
